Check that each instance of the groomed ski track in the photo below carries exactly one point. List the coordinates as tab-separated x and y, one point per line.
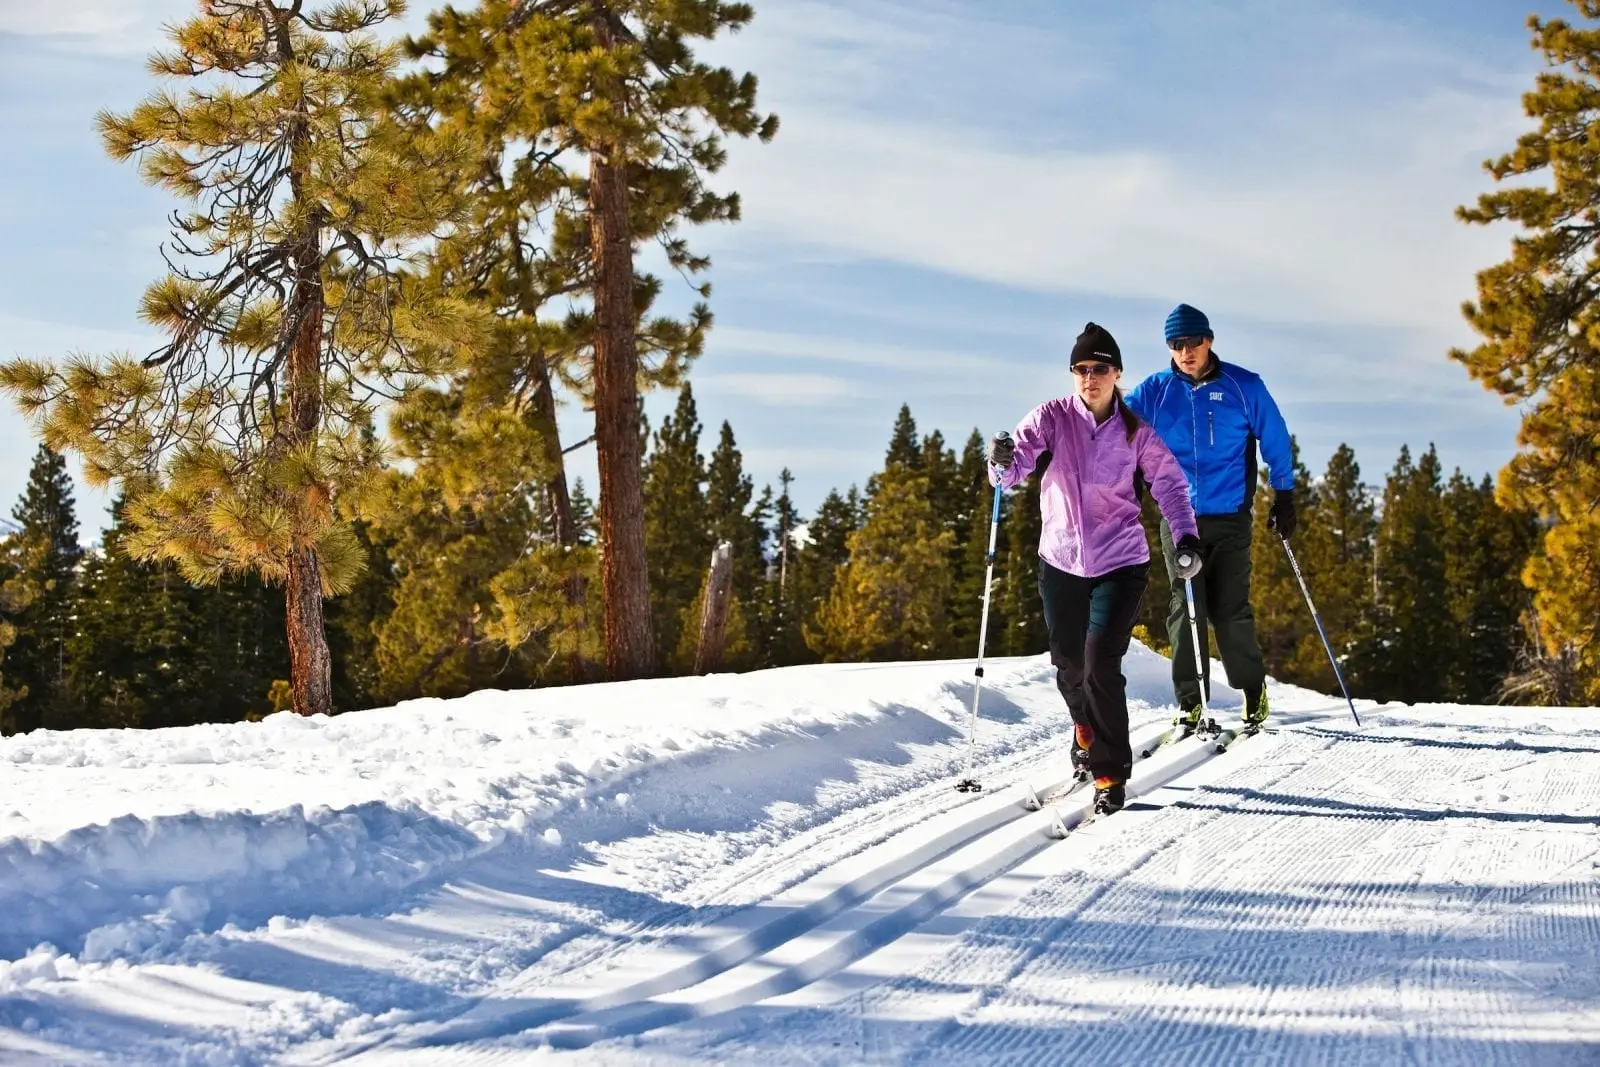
1321	959
1423	890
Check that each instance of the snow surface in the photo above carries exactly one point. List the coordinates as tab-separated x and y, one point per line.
773	869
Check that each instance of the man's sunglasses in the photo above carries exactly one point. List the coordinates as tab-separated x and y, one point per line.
1181	344
1085	370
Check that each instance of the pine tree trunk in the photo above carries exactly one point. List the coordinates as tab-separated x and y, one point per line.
310	664
560	495
629	645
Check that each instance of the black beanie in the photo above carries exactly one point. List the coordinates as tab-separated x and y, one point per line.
1096	342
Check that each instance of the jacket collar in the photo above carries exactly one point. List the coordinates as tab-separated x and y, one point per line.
1211	371
1076	405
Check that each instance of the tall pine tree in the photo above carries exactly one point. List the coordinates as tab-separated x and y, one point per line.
612	88
1539	315
288	313
826	548
1334	547
889	599
1486	547
675	522
46	552
1283	626
1410	651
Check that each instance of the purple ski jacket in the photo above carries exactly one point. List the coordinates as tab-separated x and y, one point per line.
1087	498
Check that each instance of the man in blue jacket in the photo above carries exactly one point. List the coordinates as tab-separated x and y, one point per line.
1211	415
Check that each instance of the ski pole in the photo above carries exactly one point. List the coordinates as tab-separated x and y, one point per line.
1294	564
969	784
1194	639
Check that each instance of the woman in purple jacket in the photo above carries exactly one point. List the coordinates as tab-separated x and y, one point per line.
1093	558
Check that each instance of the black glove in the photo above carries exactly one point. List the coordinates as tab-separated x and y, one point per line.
1188	557
1002	450
1282	517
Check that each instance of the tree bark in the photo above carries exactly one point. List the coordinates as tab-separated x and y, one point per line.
559	495
310	663
714	611
630	651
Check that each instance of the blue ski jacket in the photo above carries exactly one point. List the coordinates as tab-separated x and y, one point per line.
1212	426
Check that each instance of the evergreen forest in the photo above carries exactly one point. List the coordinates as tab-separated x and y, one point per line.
339	481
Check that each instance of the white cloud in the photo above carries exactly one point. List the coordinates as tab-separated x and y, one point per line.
740	341
1281	243
100	26
780	390
1334	212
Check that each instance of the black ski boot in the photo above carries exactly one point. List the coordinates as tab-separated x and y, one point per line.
1082	737
1109	796
1256	709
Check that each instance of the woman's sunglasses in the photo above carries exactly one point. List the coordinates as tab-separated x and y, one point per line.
1085	370
1182	344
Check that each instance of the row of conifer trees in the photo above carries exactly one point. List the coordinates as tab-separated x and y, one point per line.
1424	571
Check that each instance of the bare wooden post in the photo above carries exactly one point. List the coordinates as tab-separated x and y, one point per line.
714	610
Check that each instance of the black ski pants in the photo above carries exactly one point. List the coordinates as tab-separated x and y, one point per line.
1090	621
1222	601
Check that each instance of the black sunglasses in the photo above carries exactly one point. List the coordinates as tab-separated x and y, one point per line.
1179	344
1098	370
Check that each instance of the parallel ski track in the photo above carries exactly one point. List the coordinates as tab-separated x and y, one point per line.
850	911
1288	956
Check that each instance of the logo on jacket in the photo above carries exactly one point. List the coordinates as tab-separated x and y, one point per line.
1216	396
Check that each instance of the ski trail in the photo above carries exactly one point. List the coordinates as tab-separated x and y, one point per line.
718	981
1377	951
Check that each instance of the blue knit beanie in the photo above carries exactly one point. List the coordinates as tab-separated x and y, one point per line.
1186	321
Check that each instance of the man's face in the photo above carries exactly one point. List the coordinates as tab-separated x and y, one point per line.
1191	354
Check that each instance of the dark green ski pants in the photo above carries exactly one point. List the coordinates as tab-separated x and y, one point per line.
1222	600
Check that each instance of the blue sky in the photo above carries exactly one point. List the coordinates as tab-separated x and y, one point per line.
957	187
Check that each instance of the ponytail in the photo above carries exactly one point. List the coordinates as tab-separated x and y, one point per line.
1129	420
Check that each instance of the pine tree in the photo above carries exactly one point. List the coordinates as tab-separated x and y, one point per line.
15	595
888	600
1334	547
905	448
288	311
463	533
733	516
1486	547
779	627
970	520
150	649
1019	614
675	521
1410	652
826	548
46	552
1283	625
354	621
613	86
1539	315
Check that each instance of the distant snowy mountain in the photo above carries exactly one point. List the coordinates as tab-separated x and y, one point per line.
774	869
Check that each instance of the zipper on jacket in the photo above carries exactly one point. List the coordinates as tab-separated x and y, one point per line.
1211	427
1194	432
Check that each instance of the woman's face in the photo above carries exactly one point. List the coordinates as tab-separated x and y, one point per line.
1097	381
